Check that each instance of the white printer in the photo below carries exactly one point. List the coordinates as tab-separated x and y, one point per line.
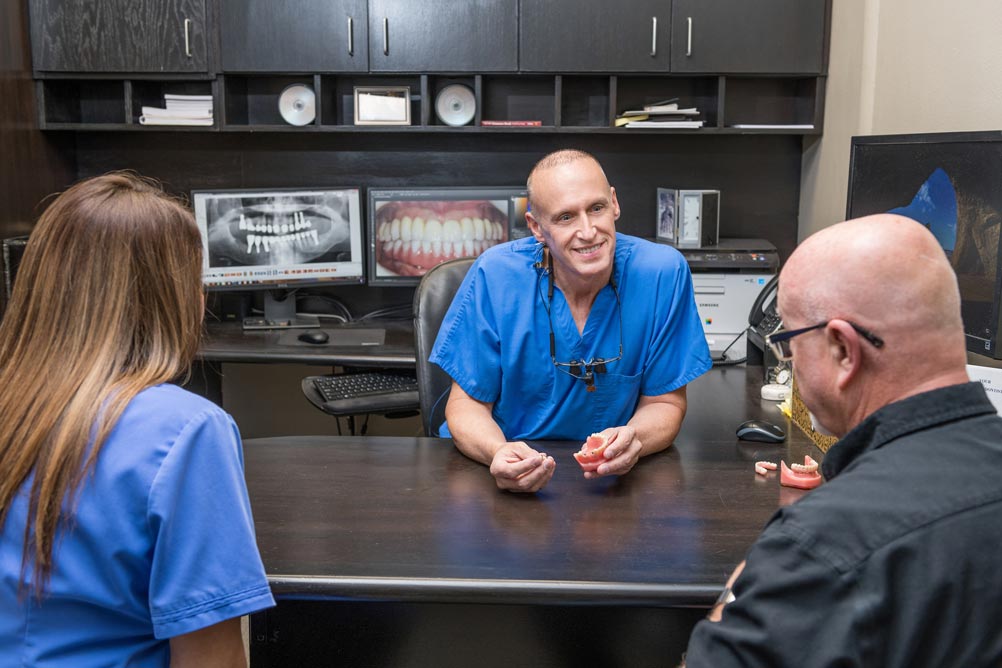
727	278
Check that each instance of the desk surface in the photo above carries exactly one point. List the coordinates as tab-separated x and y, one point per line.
229	342
412	519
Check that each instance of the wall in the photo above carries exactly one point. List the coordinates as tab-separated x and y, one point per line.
900	66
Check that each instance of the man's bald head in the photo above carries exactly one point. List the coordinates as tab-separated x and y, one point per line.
556	159
886	270
889	275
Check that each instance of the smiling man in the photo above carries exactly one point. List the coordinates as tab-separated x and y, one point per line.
576	330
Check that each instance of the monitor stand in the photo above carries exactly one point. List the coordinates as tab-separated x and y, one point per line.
280	313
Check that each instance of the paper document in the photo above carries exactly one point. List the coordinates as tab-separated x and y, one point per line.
381	107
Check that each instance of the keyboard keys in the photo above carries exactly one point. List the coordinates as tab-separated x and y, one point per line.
349	386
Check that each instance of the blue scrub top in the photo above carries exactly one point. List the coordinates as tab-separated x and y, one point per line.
161	543
494	340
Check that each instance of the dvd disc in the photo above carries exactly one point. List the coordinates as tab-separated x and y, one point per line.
297	104
455	105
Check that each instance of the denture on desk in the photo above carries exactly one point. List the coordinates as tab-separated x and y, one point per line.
762	468
801	476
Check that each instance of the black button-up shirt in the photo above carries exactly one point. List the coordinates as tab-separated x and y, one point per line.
896	561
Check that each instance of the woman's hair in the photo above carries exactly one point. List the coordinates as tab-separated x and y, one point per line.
108	301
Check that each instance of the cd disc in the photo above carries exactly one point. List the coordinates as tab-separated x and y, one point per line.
455	105
297	105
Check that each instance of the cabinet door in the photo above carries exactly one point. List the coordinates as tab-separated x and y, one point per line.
443	36
293	35
761	37
576	36
119	35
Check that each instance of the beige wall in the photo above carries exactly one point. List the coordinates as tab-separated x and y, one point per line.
900	66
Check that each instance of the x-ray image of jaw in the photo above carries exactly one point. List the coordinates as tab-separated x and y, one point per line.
414	236
277	230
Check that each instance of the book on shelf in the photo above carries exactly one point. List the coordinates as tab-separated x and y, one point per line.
177	113
665	125
173	120
773	126
511	124
187	98
662	105
692	111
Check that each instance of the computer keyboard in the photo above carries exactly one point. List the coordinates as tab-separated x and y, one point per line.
351	385
365	392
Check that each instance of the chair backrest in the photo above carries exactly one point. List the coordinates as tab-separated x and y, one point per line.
431	300
12	251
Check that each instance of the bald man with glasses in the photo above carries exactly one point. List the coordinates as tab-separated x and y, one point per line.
894	561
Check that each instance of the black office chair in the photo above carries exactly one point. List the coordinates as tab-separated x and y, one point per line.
13	251
431	300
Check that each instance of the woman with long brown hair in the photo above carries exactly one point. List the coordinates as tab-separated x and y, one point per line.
126	535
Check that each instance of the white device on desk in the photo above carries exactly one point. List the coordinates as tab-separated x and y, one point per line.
723	301
727	278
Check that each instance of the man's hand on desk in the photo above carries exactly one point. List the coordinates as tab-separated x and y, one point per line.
621	454
518	468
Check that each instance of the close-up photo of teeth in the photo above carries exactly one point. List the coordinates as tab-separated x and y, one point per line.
277	230
411	237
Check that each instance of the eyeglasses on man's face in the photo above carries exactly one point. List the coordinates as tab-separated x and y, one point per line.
779	341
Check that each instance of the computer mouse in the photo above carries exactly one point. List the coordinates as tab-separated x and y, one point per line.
315	336
760	430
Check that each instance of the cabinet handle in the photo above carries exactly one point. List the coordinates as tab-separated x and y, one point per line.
386	36
688	43
187	37
654	36
351	37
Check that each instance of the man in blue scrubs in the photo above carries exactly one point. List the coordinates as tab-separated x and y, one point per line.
573	331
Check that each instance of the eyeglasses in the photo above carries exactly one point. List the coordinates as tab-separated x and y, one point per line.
580	369
779	341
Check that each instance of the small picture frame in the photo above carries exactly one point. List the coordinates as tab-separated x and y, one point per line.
382	105
666	229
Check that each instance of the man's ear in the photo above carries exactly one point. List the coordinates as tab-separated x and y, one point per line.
845	351
615	203
534	227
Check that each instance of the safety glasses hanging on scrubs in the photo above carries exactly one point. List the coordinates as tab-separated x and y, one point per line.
580	369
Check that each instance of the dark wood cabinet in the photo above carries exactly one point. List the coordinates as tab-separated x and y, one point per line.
761	37
145	36
302	36
571	36
443	36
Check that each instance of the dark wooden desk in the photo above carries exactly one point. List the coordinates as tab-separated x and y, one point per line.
229	342
402	552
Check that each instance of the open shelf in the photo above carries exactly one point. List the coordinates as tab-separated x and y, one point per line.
338	98
519	98
776	103
253	100
584	101
151	93
633	92
81	101
437	84
577	103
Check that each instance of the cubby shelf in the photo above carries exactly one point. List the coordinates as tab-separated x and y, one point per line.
578	103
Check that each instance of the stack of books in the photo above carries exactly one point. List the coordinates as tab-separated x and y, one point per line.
665	114
179	110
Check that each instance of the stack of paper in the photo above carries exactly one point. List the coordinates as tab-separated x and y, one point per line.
664	114
179	110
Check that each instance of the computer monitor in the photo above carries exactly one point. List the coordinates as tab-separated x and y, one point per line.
279	240
952	184
413	229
